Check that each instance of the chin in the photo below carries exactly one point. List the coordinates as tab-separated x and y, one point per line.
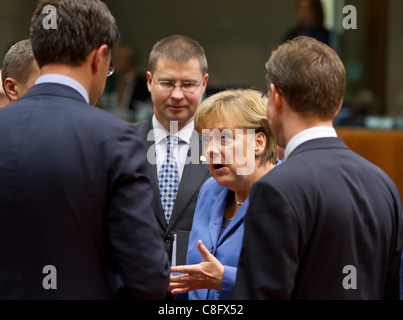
223	181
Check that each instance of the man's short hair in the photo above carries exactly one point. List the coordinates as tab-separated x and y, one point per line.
18	63
310	76
178	48
82	26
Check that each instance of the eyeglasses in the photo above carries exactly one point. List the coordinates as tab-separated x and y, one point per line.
111	68
170	85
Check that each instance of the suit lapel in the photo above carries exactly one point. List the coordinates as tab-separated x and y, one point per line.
238	219
217	216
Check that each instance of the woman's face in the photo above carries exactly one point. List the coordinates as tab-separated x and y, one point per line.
230	153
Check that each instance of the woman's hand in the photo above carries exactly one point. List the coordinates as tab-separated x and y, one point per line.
206	275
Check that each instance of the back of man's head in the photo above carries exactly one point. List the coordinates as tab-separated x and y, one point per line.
310	75
82	26
178	48
19	63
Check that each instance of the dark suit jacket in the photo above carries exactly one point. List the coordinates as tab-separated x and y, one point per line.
74	194
323	209
193	177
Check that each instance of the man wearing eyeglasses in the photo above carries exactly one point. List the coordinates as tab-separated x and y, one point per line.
76	219
177	80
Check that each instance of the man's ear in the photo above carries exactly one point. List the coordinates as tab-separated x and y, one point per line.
10	87
205	79
277	98
98	57
149	80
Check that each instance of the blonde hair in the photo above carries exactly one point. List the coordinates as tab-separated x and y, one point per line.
244	109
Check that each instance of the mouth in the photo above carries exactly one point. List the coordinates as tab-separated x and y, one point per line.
176	107
218	167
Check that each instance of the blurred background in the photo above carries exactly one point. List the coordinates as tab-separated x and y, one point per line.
238	37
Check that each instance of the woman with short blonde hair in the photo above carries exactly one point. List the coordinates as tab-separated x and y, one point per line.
236	137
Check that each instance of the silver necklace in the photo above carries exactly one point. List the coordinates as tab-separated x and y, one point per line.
237	202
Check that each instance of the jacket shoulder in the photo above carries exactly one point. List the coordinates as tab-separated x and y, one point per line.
143	127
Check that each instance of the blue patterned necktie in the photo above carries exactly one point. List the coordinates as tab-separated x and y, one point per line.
169	179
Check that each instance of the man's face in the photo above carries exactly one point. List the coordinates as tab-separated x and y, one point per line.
176	105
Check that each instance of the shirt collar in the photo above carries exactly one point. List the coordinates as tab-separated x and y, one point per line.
309	134
64	80
184	134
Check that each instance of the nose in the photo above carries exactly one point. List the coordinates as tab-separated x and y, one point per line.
214	151
177	93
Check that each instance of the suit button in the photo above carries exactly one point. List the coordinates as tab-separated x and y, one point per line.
168	238
212	250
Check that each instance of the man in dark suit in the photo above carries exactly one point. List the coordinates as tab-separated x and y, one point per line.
326	224
177	80
75	202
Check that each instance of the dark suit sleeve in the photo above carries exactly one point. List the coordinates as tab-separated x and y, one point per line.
131	225
269	257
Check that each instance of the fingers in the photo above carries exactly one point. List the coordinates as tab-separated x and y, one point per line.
183	269
181	290
177	285
176	279
184	278
206	255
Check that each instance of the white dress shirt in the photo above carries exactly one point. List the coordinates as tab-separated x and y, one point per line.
64	80
179	152
309	134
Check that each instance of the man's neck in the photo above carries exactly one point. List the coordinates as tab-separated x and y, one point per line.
173	129
298	124
80	73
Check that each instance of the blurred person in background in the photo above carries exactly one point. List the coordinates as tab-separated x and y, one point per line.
310	21
126	92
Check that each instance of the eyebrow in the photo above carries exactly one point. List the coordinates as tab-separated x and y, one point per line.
162	78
